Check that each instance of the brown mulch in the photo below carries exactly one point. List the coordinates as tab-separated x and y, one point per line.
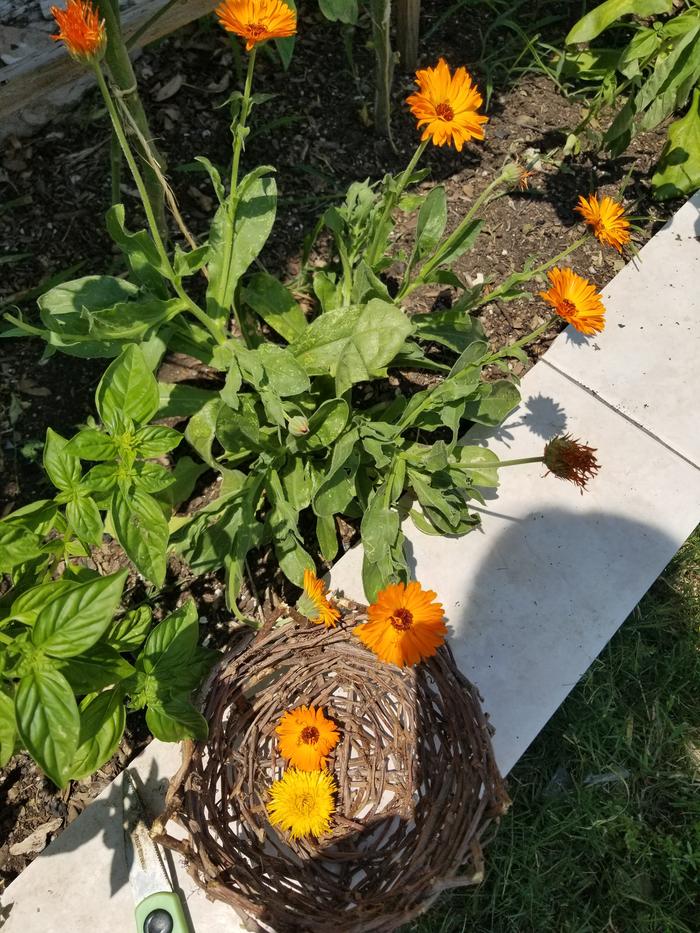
54	188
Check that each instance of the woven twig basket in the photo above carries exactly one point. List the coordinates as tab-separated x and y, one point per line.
418	784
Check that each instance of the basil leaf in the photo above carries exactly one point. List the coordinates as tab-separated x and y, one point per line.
102	722
48	722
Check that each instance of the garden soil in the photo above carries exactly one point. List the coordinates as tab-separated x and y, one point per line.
317	132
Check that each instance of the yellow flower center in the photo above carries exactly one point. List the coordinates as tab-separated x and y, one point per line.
309	735
444	111
402	620
306	803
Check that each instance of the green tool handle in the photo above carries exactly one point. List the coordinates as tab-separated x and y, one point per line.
161	913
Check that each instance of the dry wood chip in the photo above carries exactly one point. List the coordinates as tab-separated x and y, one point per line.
36	841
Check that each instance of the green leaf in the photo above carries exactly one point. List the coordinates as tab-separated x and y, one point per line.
201	430
78	617
63	468
255	216
678	170
172	642
102	722
497	399
29	604
90	444
62	307
185	264
456	244
48	722
326	424
353	344
151	477
452	328
128	633
154	441
292	558
17	546
283	372
337	490
128	388
83	516
479	463
142	531
274	303
175	720
380	531
598	20
432	219
99	667
8	728
178	400
343	11
184	478
139	247
327	536
215	177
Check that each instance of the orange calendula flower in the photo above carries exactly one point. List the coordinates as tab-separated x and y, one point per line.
302	802
314	604
81	29
576	300
306	737
257	20
569	459
404	625
446	105
607	220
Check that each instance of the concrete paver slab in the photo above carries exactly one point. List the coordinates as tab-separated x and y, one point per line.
645	363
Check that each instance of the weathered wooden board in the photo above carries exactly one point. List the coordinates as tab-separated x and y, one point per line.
49	69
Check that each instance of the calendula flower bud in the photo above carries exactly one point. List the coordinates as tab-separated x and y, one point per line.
571	460
298	426
82	31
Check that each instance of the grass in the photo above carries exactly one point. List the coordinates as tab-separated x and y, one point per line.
604	831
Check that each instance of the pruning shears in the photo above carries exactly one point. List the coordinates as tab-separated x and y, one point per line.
158	907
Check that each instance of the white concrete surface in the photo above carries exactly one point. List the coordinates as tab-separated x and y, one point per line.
645	363
533	596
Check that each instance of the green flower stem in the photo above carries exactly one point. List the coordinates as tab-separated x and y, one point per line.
527	276
239	136
245	111
524	341
505	463
392	199
201	316
445	247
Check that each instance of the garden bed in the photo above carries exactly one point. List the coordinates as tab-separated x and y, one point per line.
56	188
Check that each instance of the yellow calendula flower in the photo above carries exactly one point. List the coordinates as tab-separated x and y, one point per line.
314	604
306	737
446	105
404	625
576	300
607	220
81	29
302	803
257	20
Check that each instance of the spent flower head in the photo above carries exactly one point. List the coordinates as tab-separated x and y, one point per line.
82	31
568	459
257	20
606	218
447	106
405	625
